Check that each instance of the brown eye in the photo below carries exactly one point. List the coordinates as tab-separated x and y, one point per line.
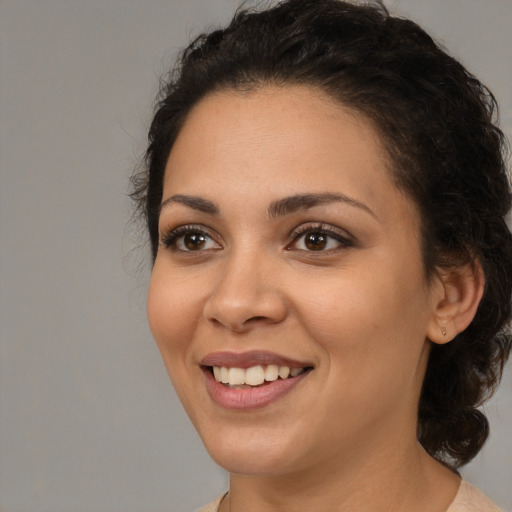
315	241
194	241
319	239
189	239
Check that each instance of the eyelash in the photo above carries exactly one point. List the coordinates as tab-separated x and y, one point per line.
345	241
169	240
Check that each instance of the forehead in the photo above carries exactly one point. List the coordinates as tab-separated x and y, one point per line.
277	141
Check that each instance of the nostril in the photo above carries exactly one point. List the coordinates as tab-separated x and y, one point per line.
256	319
239	310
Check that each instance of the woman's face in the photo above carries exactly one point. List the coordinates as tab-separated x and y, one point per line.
286	247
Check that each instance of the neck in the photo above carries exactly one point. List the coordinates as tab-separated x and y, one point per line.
389	480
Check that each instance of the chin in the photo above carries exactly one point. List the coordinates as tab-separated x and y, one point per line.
249	463
255	453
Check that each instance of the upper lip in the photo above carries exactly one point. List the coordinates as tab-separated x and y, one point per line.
250	358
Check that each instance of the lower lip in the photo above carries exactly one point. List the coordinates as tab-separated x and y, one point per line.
250	398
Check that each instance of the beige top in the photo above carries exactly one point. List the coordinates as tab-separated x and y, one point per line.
468	499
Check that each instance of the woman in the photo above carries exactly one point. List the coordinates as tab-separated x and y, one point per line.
325	197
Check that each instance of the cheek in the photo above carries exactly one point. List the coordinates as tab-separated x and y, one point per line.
371	325
372	343
378	291
173	313
350	307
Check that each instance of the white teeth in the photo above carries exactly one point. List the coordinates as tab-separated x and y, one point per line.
296	371
284	371
236	376
224	375
255	375
272	373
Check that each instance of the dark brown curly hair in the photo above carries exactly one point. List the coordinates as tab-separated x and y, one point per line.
438	124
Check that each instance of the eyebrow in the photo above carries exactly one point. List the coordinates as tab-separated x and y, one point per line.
194	202
279	208
302	202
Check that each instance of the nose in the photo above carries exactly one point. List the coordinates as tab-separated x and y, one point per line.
246	294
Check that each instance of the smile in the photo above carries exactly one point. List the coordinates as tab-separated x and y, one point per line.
253	376
251	380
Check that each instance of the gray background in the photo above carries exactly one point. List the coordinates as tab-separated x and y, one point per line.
88	419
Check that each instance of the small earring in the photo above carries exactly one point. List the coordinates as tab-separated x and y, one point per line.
443	330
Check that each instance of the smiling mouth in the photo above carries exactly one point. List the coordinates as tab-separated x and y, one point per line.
254	376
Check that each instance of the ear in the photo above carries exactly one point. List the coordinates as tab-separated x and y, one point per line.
456	296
